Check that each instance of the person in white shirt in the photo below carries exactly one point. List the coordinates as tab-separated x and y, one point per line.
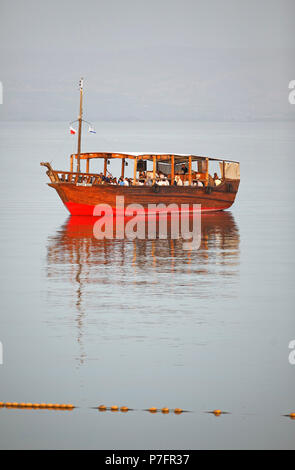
217	181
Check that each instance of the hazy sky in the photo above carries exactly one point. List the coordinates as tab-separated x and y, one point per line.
164	59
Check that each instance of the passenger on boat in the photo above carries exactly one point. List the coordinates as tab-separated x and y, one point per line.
197	182
216	179
163	182
210	180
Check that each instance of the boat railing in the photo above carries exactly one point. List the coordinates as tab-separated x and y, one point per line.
59	176
89	179
77	178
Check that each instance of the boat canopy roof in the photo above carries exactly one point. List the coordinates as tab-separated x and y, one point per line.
148	156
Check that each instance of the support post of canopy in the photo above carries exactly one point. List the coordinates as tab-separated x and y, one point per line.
172	170
135	170
87	165
190	170
123	168
154	168
72	164
223	170
207	171
105	167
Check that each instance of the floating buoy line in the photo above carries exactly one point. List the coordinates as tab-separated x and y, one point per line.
49	406
113	408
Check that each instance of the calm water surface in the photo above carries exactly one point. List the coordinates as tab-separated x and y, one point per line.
144	323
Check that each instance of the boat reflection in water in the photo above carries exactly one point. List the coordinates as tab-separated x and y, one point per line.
100	279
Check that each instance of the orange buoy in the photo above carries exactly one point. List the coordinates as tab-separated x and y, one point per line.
49	405
1	404
217	412
114	408
292	415
69	406
8	404
178	410
102	408
153	410
14	404
124	408
36	405
165	410
28	405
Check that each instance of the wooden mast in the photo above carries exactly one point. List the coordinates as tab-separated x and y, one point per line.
80	125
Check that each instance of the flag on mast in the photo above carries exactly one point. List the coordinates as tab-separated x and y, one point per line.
91	130
72	130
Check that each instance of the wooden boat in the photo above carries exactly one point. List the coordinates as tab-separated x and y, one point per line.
174	179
